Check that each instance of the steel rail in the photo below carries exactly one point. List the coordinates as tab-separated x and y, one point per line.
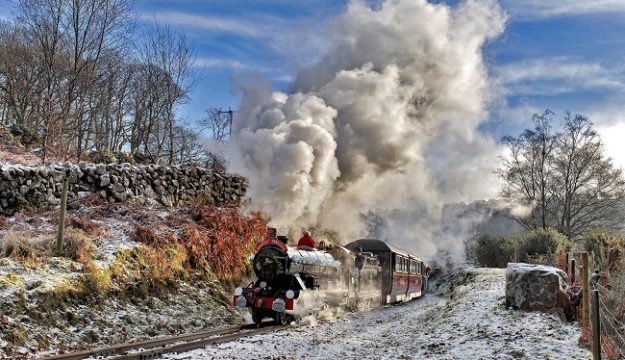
144	344
196	344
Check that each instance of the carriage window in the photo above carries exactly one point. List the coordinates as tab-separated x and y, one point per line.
397	263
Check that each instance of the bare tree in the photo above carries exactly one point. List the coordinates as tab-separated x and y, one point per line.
169	59
42	21
589	189
565	177
527	172
67	72
96	29
70	40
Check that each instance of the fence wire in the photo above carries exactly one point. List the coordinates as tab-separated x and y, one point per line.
612	329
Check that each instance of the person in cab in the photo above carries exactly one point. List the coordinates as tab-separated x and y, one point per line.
306	242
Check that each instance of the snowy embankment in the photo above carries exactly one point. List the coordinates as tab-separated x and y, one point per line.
471	323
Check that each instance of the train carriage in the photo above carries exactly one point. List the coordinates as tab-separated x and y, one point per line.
403	275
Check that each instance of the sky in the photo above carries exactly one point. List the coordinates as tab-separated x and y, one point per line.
560	55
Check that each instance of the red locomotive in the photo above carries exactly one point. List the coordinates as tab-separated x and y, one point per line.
294	282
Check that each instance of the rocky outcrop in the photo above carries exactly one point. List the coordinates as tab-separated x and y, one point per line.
537	287
40	186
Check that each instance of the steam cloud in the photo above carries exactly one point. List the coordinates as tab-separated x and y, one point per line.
381	133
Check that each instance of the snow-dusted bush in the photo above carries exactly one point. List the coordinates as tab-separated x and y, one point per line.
535	246
600	245
491	251
542	245
23	245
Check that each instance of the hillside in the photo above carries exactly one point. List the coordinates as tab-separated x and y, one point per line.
126	272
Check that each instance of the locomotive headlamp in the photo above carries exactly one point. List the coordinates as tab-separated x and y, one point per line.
290	294
240	301
278	305
263	284
238	291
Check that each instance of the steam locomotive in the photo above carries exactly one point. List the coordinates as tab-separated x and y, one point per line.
294	282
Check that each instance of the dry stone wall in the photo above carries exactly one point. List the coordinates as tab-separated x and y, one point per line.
38	187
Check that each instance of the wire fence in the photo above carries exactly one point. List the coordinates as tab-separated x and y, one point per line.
612	332
610	284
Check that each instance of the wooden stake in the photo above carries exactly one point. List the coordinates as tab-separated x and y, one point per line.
573	270
585	293
596	326
60	233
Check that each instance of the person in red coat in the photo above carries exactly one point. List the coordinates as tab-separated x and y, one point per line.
306	241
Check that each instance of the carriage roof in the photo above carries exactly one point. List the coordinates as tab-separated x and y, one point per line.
379	246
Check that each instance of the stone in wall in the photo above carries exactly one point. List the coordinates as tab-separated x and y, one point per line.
40	186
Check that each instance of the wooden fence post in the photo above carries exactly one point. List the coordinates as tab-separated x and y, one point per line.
573	270
61	231
596	326
585	292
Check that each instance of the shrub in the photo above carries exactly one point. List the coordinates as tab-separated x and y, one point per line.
229	237
102	156
217	240
600	245
491	251
155	235
89	226
4	223
23	245
77	246
27	136
540	246
146	159
147	270
124	157
536	246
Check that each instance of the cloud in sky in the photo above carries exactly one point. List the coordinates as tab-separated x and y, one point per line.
559	75
208	63
542	8
237	26
610	123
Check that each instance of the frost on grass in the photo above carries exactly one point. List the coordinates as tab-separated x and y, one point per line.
106	287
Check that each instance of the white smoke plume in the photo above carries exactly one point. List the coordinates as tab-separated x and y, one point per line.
385	124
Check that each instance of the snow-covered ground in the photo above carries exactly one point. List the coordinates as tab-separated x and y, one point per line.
31	323
472	323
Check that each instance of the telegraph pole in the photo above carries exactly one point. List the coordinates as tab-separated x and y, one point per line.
229	114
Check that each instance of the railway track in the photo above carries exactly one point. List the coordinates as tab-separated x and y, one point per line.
151	349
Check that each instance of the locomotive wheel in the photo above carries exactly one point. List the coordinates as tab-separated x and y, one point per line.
257	317
282	318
